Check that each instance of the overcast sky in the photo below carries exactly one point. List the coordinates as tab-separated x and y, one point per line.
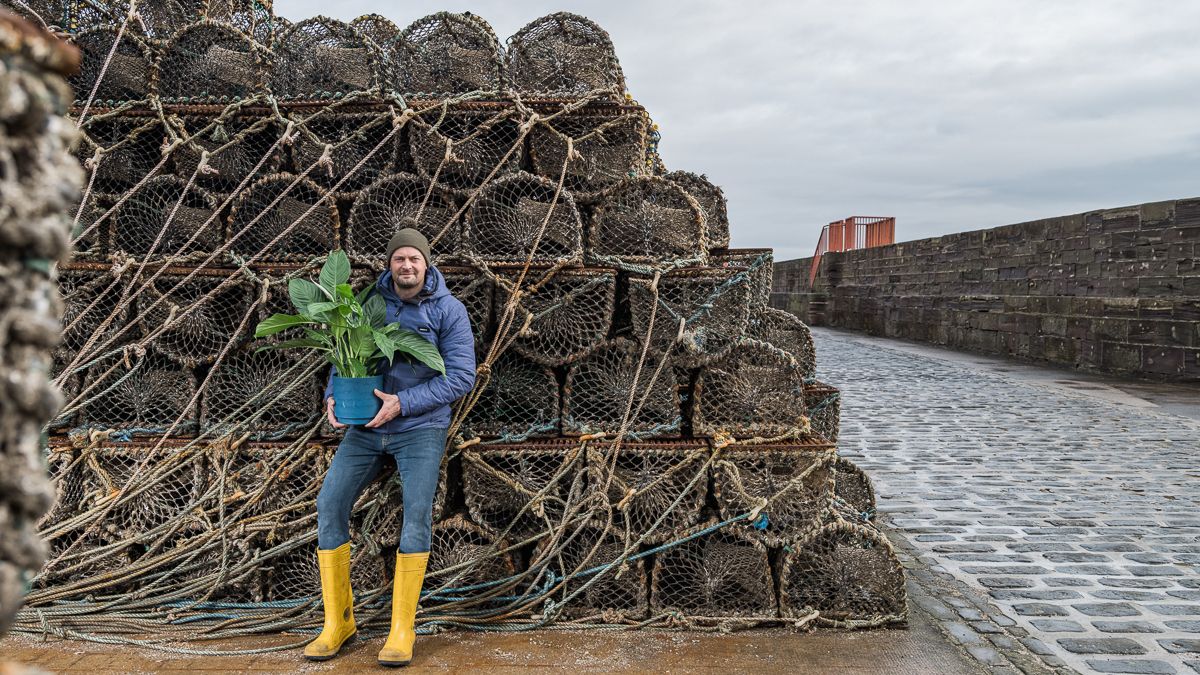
950	116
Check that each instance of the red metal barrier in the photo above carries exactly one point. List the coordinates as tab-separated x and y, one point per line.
852	233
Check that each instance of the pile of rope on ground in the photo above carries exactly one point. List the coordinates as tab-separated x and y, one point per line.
646	444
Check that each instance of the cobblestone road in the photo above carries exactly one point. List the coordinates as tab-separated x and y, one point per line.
1075	518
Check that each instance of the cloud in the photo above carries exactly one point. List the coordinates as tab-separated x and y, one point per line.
949	116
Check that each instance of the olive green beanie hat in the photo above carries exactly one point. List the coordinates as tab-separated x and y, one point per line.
409	237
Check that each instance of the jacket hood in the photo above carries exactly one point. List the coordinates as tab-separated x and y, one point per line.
435	285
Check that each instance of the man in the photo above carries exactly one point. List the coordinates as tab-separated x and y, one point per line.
410	429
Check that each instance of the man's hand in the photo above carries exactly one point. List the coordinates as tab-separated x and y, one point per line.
329	415
389	411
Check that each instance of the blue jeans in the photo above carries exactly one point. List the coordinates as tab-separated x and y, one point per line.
359	457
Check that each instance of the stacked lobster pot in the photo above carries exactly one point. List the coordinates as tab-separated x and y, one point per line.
646	442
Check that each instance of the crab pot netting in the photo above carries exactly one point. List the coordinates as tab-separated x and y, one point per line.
521	218
319	57
478	143
794	481
757	262
824	405
787	332
164	218
127	77
608	149
569	313
521	487
615	598
352	137
42	13
89	298
235	145
754	390
847	573
252	17
210	62
647	220
520	399
459	543
564	55
380	30
600	385
725	573
131	147
162	19
397	201
447	54
299	217
149	393
712	202
853	486
268	486
643	482
710	303
89	238
477	293
284	388
202	319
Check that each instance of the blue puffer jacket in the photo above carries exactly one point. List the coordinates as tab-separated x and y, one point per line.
425	396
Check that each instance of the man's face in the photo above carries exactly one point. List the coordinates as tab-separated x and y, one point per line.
408	268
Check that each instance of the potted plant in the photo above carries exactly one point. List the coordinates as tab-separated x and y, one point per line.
352	332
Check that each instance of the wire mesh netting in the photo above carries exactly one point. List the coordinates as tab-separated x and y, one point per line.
655	488
149	393
129	64
757	262
521	488
647	220
90	299
240	149
711	200
193	320
522	217
459	150
336	148
461	556
787	332
791	487
702	311
166	217
160	20
402	200
445	54
620	593
265	392
252	17
564	315
853	486
131	147
477	293
607	392
519	399
725	573
754	390
209	62
321	57
564	55
380	30
283	217
824	405
606	150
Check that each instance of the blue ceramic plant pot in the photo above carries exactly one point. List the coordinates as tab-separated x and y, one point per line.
354	399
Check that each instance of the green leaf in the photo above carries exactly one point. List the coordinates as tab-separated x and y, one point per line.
279	322
335	271
386	345
361	296
304	293
324	338
345	292
375	309
421	349
322	307
300	342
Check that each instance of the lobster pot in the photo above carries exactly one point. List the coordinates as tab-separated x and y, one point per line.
285	389
161	19
854	488
847	572
599	388
210	62
148	394
614	598
795	480
824	405
444	54
127	77
164	218
41	13
459	543
754	390
203	319
236	146
282	217
725	573
711	304
569	314
520	487
758	265
89	298
353	137
645	481
647	220
477	293
69	384
712	202
395	202
380	30
608	149
564	55
90	239
252	17
523	218
267	486
208	569
520	399
131	148
785	331
479	142
320	58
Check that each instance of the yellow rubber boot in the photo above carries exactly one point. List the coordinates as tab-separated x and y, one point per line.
339	604
406	591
